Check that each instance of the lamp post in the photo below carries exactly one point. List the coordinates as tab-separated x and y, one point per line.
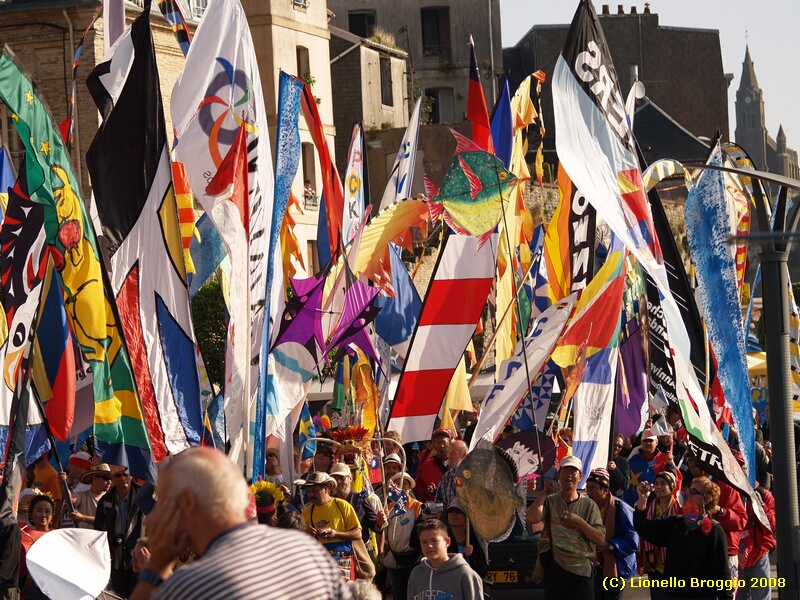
776	244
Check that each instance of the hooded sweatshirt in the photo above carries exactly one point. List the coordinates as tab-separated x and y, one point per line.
454	580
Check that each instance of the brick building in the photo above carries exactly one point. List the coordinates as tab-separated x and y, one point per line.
371	87
680	67
436	38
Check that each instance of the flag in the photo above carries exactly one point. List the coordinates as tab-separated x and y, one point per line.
594	141
398	316
207	252
67	126
218	92
290	91
503	127
54	359
355	186
23	268
171	9
596	324
132	182
461	281
120	434
332	189
476	104
537	403
307	432
188	225
6	177
15	453
633	374
113	22
707	227
401	177
518	372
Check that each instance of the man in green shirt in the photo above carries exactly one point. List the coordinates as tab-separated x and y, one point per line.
572	529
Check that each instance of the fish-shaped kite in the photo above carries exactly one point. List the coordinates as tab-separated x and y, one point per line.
473	192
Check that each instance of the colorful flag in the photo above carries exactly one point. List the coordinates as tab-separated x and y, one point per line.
54	359
594	141
120	434
171	9
332	189
23	268
6	177
455	299
503	126
307	432
218	92
355	184
401	176
707	228
132	183
518	372
476	104
398	316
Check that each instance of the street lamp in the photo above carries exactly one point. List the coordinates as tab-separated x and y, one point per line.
775	245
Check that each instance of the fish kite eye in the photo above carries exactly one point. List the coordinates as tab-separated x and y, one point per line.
502	176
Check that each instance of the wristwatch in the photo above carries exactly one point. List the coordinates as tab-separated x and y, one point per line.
150	577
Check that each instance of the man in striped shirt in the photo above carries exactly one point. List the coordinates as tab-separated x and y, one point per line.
201	505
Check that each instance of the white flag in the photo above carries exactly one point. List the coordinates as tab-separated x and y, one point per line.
218	92
402	175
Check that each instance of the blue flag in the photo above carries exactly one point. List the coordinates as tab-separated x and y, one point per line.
307	431
398	316
503	127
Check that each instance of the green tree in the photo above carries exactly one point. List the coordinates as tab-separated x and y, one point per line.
208	312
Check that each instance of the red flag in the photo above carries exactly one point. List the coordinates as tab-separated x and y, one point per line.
231	178
476	105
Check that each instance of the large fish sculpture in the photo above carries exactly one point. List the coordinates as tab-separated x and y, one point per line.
474	191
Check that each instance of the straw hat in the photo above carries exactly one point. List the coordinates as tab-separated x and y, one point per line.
100	470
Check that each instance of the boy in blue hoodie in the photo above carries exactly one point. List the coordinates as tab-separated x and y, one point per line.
441	576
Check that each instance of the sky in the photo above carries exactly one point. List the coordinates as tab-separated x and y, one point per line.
771	27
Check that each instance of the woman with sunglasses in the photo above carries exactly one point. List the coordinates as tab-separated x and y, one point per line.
696	546
98	478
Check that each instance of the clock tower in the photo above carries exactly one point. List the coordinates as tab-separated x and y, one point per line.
751	130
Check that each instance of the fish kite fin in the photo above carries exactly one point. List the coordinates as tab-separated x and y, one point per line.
431	191
484	237
452	224
435	210
464	144
475	185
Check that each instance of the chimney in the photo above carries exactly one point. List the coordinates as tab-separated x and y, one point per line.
647	8
633	10
606	10
620	9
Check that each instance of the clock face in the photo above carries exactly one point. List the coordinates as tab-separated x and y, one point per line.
747	99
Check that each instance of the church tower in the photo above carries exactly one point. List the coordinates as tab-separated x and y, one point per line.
751	130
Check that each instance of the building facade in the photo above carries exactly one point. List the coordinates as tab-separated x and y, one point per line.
680	67
436	37
371	88
768	153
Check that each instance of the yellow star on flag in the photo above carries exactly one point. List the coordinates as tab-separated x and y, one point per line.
45	147
29	96
15	117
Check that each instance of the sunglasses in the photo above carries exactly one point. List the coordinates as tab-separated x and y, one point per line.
695	492
118	475
103	477
618	446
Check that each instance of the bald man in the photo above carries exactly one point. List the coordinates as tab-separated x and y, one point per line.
446	492
202	498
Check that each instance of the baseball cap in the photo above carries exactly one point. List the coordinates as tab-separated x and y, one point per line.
571	461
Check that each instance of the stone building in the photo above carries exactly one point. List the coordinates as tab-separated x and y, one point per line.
768	153
695	97
371	87
288	34
436	38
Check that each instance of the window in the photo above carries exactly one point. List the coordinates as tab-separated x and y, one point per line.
312	264
386	81
310	175
435	31
198	7
301	3
303	62
443	111
361	22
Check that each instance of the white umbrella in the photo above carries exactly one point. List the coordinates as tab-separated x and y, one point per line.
83	576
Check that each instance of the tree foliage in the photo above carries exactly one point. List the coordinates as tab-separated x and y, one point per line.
208	312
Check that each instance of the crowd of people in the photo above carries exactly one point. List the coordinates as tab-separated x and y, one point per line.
388	523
